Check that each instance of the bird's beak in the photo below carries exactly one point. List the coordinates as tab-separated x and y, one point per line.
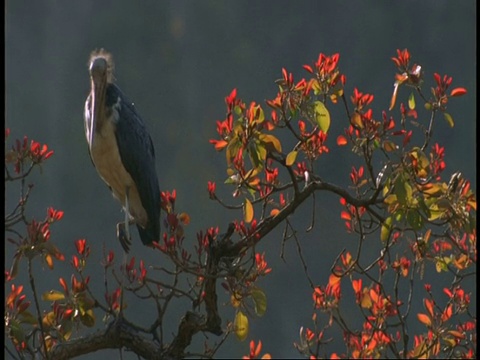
98	76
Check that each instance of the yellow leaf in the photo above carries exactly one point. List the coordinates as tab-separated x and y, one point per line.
356	120
271	142
386	229
389	146
322	116
49	319
411	102
449	119
390	199
366	301
247	211
290	160
241	326
53	295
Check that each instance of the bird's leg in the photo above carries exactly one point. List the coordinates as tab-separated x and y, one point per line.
127	214
123	233
123	228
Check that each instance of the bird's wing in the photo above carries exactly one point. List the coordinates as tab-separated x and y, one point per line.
138	156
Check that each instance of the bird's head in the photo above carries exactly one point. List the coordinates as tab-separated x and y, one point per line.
101	67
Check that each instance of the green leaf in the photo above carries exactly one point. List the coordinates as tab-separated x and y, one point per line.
28	318
322	116
260	300
414	219
291	157
411	102
386	229
449	119
88	318
237	109
403	190
241	326
247	211
256	151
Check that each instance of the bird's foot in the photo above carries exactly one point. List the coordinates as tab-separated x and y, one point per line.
123	236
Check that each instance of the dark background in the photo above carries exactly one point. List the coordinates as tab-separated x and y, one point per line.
177	60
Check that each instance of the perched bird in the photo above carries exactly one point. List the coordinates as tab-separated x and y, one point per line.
122	151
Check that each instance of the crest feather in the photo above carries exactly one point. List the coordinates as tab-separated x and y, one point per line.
102	53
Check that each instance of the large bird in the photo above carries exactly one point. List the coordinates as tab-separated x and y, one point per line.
122	151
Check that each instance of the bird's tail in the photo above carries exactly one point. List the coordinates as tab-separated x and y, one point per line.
148	234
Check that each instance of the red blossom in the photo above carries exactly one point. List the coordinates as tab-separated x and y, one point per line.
211	190
80	245
261	264
402	60
360	100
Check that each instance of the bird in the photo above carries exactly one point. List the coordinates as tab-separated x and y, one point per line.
122	151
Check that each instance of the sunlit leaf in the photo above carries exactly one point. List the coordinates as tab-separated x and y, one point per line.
457	334
260	300
49	319
49	260
390	199
411	101
440	265
356	120
366	301
449	119
342	140
389	146
53	295
220	144
435	189
322	116
334	280
235	300
458	91
274	212
261	115
247	211
386	229
424	319
291	157
241	326
271	142
429	305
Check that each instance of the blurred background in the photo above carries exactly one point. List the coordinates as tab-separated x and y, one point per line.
177	60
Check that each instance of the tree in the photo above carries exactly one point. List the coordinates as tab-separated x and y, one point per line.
398	198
